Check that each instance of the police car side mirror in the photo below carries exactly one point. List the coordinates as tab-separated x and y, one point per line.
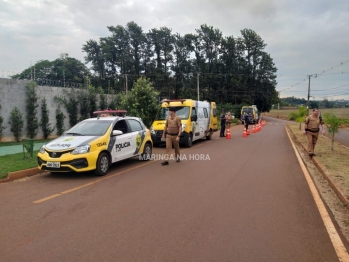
117	133
194	118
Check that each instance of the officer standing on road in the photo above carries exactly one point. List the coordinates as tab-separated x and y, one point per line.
228	119
312	128
173	130
222	124
246	120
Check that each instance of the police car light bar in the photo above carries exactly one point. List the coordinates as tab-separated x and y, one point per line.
110	112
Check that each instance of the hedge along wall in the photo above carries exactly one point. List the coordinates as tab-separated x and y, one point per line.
12	93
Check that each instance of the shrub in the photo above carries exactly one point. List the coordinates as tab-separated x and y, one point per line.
72	105
332	123
60	121
1	126
31	109
16	122
44	123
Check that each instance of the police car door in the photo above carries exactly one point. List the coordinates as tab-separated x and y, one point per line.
138	134
123	143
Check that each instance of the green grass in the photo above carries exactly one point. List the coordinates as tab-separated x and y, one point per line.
15	162
342	113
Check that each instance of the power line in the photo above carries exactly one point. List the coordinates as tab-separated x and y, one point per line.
317	75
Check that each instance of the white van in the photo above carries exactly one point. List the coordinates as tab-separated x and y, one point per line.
199	120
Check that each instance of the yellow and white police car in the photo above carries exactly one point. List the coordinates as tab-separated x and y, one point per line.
96	143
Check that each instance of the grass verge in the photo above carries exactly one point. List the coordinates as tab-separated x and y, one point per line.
15	162
334	161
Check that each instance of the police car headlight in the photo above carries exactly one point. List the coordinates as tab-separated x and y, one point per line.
183	127
81	150
42	149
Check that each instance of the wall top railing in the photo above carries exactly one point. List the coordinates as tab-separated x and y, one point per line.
7	74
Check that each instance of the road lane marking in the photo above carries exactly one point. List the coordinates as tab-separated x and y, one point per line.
331	230
100	180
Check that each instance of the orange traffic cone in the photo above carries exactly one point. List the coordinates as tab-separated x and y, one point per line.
248	131
227	135
244	134
253	129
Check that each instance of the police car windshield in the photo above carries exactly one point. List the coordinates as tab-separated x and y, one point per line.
181	111
90	128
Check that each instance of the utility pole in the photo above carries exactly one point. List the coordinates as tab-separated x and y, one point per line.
309	76
197	80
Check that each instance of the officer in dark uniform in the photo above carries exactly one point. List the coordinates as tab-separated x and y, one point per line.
222	124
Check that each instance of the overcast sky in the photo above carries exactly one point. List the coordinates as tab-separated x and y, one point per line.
303	37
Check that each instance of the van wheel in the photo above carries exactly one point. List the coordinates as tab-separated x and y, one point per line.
189	141
209	137
103	163
147	152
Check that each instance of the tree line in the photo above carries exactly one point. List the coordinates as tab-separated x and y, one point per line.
227	69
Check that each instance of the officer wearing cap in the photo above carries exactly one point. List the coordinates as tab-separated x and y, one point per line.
173	130
312	128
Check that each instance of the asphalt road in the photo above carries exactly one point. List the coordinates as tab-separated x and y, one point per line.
243	199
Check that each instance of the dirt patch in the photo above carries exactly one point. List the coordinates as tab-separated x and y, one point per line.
335	167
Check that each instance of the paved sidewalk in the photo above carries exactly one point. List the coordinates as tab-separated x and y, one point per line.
9	150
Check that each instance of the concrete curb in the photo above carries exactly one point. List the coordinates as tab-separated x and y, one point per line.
322	169
342	197
21	174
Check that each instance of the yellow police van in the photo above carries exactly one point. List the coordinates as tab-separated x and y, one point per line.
252	113
199	120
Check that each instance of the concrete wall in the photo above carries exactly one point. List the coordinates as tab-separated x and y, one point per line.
12	93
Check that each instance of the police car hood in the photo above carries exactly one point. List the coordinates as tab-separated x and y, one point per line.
69	142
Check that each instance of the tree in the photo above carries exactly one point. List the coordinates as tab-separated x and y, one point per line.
16	122
62	71
103	103
333	124
31	109
300	116
142	101
71	104
44	123
1	122
59	121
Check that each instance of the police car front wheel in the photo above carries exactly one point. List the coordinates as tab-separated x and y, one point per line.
147	152
103	163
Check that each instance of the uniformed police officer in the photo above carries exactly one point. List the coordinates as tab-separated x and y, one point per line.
228	119
222	124
173	130
312	128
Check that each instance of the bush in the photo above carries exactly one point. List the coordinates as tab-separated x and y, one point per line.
1	126
60	121
16	122
31	109
72	105
44	123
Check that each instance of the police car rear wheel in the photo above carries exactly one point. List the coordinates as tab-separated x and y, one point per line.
147	152
102	166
